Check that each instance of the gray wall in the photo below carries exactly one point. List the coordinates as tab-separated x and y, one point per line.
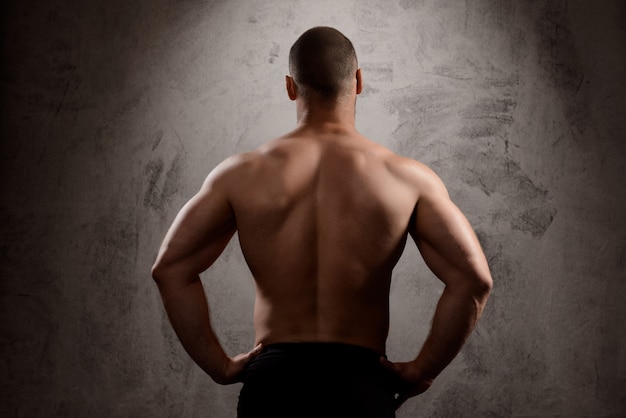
113	113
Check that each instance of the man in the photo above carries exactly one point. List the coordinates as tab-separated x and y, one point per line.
323	215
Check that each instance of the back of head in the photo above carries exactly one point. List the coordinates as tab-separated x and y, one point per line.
323	63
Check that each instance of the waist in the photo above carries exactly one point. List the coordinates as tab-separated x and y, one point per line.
322	350
371	340
367	329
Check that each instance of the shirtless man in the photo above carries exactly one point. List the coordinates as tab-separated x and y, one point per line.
323	215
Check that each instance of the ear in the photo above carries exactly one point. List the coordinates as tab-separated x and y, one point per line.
359	82
292	89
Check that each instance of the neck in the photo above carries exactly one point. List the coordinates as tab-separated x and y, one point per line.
319	115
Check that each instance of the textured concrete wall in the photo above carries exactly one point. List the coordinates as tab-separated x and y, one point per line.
113	112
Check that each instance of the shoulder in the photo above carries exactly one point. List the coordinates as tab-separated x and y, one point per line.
415	173
233	167
250	164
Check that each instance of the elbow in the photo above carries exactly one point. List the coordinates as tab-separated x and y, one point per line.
157	272
168	275
484	281
163	276
482	285
473	285
476	285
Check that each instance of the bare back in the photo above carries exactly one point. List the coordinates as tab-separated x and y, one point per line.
322	221
323	215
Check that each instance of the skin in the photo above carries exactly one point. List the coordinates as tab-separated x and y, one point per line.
323	215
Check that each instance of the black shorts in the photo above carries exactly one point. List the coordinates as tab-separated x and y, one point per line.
301	380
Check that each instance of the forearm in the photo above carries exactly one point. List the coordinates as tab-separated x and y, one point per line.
188	313
457	313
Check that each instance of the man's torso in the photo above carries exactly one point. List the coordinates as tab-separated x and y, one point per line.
322	221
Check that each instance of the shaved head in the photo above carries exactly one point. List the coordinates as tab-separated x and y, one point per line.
323	63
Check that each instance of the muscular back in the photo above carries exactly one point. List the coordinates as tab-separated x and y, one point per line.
322	220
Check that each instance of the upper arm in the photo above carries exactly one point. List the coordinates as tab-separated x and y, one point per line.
198	235
445	238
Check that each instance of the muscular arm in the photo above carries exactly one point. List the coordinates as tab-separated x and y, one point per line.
199	234
451	250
